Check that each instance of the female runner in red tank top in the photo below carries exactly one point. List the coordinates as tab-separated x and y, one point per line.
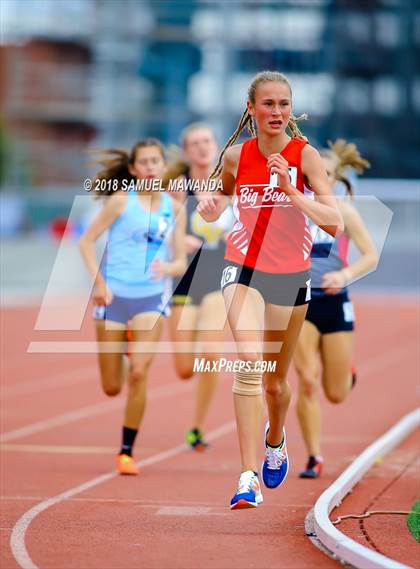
265	282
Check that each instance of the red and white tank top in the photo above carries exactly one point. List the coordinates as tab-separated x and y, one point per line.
270	234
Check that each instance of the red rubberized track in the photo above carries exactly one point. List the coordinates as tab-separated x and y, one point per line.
175	513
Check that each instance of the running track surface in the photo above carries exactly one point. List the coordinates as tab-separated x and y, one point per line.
59	432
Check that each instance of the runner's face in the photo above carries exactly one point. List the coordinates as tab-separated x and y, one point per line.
149	163
200	147
272	108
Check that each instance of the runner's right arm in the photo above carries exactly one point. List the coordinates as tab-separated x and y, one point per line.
212	208
112	209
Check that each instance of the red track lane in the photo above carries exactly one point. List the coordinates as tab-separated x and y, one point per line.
175	513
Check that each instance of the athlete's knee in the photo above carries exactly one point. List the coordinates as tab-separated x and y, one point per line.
308	380
247	378
276	387
335	391
111	390
309	388
336	386
334	395
308	384
185	373
249	356
137	376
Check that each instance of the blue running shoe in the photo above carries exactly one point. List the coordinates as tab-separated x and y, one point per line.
248	494
276	464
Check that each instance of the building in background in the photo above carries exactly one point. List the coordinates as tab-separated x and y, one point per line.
70	81
46	97
80	73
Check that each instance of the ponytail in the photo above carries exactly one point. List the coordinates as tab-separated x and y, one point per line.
346	154
115	164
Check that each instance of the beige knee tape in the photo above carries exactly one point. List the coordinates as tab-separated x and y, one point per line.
246	380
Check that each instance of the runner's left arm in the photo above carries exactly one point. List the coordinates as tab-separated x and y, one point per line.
323	210
358	233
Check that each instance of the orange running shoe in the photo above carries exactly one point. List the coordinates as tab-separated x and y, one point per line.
126	464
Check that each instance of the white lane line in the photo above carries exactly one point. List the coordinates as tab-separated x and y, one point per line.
344	548
67	377
17	539
145	503
189	511
60	449
63	419
92	410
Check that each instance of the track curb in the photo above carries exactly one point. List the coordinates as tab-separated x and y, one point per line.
338	544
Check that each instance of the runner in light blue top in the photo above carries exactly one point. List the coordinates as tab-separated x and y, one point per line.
136	239
146	246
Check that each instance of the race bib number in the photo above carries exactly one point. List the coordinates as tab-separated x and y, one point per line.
348	311
98	312
308	290
274	178
293	175
228	276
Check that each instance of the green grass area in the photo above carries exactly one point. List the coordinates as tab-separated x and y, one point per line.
413	521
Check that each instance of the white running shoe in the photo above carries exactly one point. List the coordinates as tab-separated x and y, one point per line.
248	494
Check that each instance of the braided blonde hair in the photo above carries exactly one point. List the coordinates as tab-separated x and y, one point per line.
248	121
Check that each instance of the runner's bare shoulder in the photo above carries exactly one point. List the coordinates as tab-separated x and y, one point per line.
231	159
